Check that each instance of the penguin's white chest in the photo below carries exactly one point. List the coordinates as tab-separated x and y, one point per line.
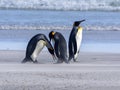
79	39
39	46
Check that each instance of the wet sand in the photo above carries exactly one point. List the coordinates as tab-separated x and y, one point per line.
93	71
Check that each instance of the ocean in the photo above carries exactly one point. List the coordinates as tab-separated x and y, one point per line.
50	19
22	19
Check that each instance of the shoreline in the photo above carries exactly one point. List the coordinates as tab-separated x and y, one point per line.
93	41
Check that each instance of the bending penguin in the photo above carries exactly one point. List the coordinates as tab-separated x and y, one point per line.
60	46
35	45
75	40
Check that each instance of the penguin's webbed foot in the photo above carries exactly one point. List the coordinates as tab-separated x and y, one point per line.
59	61
25	60
75	60
35	61
67	61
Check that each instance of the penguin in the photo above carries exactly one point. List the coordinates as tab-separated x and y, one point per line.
34	47
59	45
75	39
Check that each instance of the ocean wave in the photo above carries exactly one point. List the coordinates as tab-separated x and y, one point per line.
28	27
103	5
88	27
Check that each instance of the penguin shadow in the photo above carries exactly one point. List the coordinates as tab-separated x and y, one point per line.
74	62
38	62
60	63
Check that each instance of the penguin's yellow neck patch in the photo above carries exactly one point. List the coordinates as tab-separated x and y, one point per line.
80	28
53	33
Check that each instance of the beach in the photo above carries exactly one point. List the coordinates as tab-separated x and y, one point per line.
92	71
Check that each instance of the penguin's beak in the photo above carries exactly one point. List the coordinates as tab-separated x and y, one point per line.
82	20
77	23
54	58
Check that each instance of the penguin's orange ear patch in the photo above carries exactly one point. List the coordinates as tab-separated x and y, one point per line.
53	33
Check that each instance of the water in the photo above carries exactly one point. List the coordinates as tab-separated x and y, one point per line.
47	20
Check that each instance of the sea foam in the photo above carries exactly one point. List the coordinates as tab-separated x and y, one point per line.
102	5
53	27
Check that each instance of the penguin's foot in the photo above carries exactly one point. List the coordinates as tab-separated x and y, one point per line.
35	61
70	58
74	60
67	61
26	60
59	61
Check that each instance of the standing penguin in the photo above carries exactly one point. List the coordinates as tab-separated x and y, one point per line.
60	46
75	40
35	45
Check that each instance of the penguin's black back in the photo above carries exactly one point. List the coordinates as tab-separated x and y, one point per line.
72	44
62	45
33	42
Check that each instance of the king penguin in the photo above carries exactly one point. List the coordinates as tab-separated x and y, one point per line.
60	46
34	47
75	40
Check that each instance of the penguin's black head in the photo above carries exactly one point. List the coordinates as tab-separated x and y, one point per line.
77	23
51	35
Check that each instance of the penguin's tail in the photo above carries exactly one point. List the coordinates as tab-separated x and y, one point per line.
26	60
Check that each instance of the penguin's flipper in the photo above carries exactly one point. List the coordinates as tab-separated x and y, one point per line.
70	50
57	49
75	45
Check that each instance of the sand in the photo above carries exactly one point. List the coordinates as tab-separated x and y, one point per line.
93	71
